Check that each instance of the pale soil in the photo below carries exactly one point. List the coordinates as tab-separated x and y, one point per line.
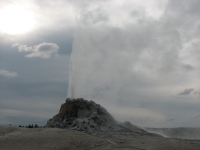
14	138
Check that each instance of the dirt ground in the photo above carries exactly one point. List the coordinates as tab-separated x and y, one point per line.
15	138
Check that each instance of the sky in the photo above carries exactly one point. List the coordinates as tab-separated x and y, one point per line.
140	59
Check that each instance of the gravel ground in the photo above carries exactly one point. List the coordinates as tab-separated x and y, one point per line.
15	138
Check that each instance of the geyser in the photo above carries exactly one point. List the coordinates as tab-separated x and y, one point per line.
94	71
84	115
71	86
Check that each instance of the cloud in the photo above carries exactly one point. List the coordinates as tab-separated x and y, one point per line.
188	67
122	58
43	50
197	92
172	118
7	73
94	15
133	59
186	91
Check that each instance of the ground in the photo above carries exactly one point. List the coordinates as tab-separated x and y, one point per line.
15	138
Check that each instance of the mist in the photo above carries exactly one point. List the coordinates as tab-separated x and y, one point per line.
181	132
134	67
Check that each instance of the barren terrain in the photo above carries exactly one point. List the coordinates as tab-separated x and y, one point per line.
15	138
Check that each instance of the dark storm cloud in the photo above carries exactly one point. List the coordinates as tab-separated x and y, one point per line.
186	91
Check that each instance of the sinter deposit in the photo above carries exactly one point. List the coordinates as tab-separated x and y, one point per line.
84	115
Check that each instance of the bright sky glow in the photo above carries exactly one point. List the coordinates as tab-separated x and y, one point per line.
16	20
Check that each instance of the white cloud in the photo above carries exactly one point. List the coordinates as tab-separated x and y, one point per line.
7	73
43	50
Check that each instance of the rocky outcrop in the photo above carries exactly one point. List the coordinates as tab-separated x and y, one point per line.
84	115
132	127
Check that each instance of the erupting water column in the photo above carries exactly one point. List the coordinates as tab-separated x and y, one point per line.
73	73
71	86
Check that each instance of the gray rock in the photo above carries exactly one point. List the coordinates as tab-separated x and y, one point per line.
84	115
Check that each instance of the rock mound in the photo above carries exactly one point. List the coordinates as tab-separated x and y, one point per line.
134	128
84	115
